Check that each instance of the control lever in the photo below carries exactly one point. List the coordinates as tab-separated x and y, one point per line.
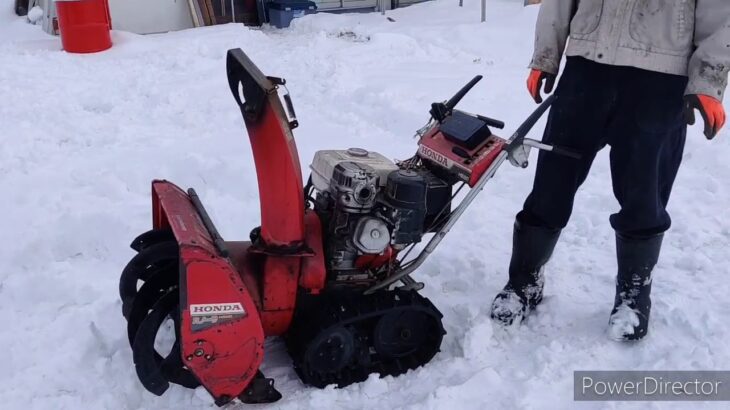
518	147
439	111
288	103
519	155
552	148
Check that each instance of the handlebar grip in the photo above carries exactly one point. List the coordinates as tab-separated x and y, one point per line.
492	122
566	152
461	93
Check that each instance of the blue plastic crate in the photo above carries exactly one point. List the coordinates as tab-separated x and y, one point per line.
282	12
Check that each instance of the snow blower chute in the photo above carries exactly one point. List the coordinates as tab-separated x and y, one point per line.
328	268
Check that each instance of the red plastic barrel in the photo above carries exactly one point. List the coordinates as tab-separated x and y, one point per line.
84	25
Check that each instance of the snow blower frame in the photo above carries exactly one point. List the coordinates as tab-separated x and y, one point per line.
320	268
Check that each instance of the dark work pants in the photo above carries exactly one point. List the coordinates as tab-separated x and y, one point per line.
638	113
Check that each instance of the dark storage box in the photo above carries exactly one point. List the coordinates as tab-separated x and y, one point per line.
466	130
282	12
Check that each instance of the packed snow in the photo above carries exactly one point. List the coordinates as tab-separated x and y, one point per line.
82	136
623	322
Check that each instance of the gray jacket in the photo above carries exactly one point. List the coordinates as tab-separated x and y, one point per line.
683	37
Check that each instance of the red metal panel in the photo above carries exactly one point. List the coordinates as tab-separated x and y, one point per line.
280	281
171	207
282	212
485	158
249	266
314	271
221	335
223	350
279	176
436	148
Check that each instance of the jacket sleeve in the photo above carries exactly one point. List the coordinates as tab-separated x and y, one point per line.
710	62
551	34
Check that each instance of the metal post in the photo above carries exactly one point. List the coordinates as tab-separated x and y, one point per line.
461	3
484	11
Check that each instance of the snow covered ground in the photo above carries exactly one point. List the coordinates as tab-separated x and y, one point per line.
81	136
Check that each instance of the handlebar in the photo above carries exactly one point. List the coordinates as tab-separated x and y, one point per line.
461	93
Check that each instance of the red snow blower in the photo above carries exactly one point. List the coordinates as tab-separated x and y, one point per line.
323	268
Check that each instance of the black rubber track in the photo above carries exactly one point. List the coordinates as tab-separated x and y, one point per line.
333	336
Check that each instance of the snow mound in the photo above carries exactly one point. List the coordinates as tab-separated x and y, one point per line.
82	136
35	15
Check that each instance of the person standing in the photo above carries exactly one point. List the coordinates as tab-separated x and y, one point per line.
635	72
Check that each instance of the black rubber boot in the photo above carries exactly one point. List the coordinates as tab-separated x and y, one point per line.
636	259
531	249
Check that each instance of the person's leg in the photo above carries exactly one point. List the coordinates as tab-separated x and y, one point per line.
646	151
577	121
585	97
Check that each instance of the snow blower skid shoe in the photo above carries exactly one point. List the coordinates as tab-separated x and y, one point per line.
323	267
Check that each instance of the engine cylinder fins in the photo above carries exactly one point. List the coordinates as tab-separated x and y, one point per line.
150	260
355	335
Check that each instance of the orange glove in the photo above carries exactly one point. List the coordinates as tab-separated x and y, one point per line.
711	109
534	83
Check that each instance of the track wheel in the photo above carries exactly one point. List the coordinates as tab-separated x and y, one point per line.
404	333
342	336
330	351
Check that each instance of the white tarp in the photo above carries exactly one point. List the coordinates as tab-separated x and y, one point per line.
150	16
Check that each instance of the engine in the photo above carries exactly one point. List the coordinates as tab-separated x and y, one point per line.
371	209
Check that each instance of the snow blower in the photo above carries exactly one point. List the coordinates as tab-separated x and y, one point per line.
328	269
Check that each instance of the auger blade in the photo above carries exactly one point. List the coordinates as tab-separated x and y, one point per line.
174	369
219	333
151	237
147	361
142	266
149	294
